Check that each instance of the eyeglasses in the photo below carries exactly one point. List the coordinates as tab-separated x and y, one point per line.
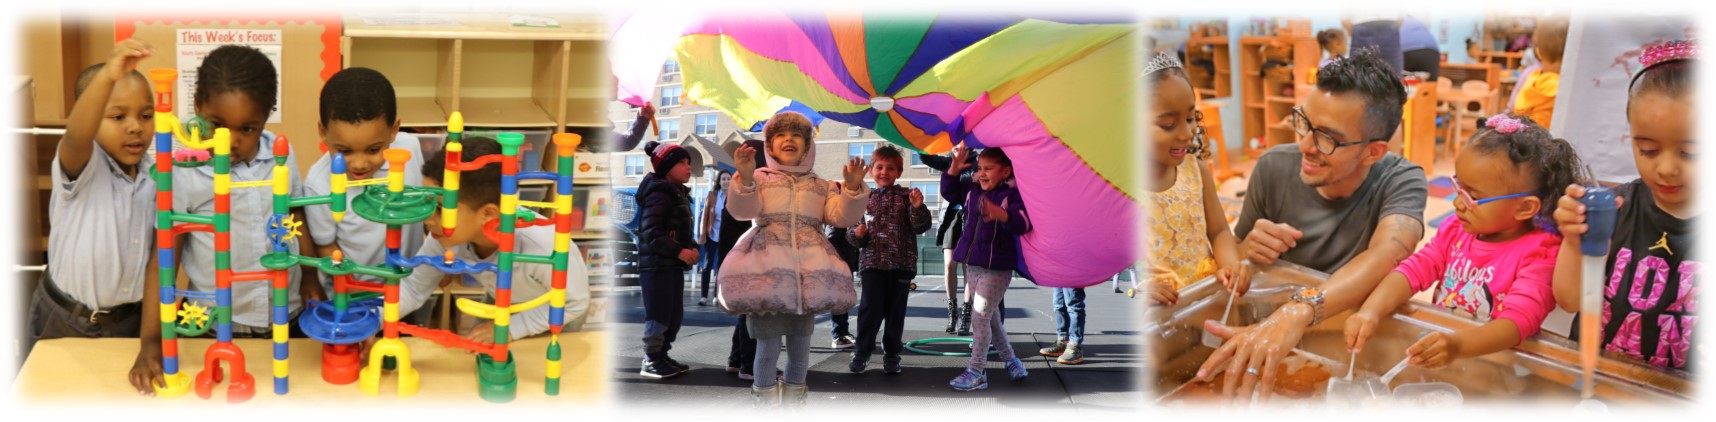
1472	202
1324	141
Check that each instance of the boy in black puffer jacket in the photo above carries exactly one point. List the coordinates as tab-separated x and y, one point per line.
665	251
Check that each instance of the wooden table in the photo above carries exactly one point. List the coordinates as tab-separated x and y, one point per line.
1457	99
94	370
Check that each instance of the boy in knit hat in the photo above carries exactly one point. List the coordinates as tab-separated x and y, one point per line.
665	251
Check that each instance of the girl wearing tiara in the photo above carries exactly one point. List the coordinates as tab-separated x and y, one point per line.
1190	238
1649	285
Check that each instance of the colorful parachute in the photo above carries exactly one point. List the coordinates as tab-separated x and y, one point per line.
1059	97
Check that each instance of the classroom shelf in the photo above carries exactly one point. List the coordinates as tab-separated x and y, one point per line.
1265	108
495	74
421	112
505	112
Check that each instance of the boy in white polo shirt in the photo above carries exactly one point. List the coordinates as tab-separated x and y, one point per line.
102	207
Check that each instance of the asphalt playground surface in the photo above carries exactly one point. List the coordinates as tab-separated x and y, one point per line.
1105	383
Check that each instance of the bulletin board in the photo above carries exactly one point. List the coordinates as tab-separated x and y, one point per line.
310	54
1590	106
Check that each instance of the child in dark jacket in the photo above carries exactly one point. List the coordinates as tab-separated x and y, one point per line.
952	220
994	219
665	251
888	242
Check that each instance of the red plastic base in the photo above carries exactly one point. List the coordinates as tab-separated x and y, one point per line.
340	363
242	386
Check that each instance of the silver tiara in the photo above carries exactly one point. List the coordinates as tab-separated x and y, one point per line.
1161	61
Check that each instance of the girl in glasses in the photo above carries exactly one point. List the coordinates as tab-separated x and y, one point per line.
1496	259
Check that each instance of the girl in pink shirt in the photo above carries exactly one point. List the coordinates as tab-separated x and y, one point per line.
1496	261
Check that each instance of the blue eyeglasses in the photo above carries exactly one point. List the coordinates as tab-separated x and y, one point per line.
1474	202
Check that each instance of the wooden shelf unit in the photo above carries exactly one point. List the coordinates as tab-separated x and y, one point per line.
1221	81
495	74
1266	108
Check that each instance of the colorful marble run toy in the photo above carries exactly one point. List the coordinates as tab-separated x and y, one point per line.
358	310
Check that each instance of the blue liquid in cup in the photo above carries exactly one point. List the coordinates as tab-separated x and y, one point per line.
1600	213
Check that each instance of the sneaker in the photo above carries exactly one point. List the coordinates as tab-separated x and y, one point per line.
857	366
746	376
702	301
1072	356
1055	350
891	365
969	380
1016	369
659	370
843	343
669	360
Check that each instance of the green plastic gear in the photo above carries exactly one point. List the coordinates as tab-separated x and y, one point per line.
279	260
413	205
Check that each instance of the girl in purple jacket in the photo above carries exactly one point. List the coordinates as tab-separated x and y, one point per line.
994	219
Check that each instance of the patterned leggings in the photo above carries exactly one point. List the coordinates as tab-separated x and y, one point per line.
986	327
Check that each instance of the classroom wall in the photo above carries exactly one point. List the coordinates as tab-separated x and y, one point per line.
1590	107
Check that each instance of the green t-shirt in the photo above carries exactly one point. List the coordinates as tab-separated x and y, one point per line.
1334	231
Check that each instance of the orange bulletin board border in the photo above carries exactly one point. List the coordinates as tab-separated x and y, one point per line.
124	26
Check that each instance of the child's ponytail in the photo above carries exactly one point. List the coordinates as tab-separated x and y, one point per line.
1558	166
1553	162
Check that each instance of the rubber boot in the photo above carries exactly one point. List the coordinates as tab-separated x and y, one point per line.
952	315
793	396
766	398
965	321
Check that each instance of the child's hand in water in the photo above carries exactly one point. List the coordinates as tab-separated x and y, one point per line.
1434	350
1236	278
1570	212
917	198
126	55
1161	286
688	255
1359	328
959	164
993	212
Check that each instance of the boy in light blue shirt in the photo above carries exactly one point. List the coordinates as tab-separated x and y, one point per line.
236	91
359	118
101	208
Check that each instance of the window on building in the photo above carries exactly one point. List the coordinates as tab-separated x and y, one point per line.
670	95
860	150
667	130
932	194
706	124
671	66
636	165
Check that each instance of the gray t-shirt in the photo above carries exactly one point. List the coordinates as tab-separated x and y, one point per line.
1334	231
